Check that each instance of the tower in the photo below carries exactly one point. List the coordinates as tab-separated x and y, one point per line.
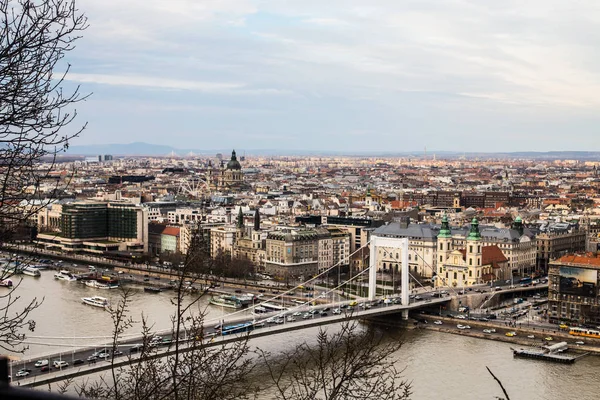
240	225
444	240
474	251
256	234
518	225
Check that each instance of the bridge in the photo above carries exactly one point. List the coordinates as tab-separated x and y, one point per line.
238	326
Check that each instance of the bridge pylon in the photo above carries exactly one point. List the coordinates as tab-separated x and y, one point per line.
396	243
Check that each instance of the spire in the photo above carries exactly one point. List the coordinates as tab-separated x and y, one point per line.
474	232
240	219
257	220
445	231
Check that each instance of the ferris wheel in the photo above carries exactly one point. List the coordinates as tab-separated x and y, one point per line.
193	186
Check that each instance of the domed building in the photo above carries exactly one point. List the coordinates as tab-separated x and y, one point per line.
229	177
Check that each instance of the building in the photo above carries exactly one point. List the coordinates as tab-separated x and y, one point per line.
573	289
250	244
228	178
292	253
222	239
516	243
475	264
94	227
558	240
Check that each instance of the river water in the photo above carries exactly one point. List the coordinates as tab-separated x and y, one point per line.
440	365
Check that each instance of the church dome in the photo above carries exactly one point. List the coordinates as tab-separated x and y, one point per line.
234	163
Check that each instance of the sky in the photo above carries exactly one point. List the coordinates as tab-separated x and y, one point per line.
341	75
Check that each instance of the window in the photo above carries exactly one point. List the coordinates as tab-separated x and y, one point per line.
454	274
441	246
471	249
470	273
470	261
441	258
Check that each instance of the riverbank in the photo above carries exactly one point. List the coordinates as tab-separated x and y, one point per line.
591	346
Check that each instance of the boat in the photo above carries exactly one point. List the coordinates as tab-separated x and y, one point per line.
6	283
32	271
98	284
225	301
152	289
96	301
64	275
547	353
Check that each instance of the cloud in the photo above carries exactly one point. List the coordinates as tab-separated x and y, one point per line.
422	66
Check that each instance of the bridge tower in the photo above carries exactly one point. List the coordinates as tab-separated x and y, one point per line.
445	247
390	242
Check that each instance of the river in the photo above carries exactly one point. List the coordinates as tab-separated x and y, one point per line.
439	365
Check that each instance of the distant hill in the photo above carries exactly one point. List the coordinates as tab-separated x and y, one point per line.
148	149
130	149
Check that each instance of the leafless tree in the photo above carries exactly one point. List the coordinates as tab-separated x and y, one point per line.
188	368
35	114
348	364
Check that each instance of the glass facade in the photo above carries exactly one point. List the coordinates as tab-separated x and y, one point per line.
99	220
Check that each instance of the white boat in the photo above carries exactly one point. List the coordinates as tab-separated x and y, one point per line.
99	285
225	301
6	283
64	275
31	271
96	301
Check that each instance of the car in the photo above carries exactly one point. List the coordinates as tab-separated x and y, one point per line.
261	290
497	288
146	279
342	306
157	278
58	364
579	343
336	311
92	358
459	326
530	336
279	321
290	318
104	355
78	361
510	334
492	330
563	326
45	368
548	339
461	317
297	314
306	316
117	353
23	372
323	314
438	322
353	304
40	363
238	291
418	298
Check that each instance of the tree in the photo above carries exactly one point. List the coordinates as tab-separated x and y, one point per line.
35	111
349	364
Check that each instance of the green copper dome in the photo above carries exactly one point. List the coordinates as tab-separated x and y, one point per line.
518	219
445	229
474	232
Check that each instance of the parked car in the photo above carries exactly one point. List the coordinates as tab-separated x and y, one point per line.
438	322
78	361
40	363
45	368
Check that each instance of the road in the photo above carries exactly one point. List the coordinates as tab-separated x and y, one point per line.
264	321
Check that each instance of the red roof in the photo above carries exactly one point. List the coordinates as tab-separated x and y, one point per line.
490	255
171	231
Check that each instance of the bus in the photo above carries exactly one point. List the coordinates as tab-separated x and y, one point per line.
592	333
526	281
239	328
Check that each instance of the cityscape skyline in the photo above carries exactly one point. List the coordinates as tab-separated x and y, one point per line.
456	77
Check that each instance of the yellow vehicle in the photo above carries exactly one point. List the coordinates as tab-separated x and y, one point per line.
548	339
510	334
353	304
563	326
584	332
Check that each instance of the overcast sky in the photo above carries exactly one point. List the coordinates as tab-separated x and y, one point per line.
345	75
